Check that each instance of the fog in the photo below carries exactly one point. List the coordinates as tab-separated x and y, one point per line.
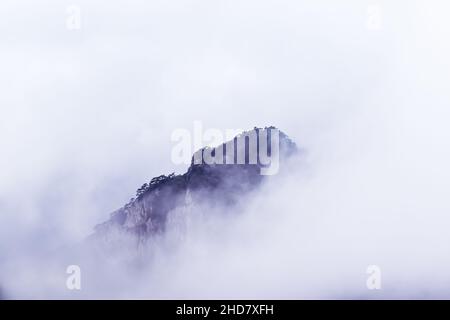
87	117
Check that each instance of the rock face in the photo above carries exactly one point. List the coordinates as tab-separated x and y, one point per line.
235	171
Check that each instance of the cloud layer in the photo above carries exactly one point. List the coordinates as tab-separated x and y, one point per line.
87	116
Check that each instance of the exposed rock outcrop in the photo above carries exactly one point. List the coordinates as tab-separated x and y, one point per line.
226	180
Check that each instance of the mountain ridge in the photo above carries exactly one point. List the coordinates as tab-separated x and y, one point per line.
146	214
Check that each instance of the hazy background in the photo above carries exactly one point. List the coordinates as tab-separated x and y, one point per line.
86	118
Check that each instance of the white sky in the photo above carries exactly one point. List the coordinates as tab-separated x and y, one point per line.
86	115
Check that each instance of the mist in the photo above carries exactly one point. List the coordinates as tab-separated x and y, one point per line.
87	117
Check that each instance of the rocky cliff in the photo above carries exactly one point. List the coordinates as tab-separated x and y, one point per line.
224	178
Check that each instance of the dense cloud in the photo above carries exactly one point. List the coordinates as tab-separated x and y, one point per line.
87	116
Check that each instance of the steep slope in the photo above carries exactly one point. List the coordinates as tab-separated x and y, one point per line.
227	178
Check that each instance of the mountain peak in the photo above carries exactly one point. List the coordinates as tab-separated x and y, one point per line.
224	173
